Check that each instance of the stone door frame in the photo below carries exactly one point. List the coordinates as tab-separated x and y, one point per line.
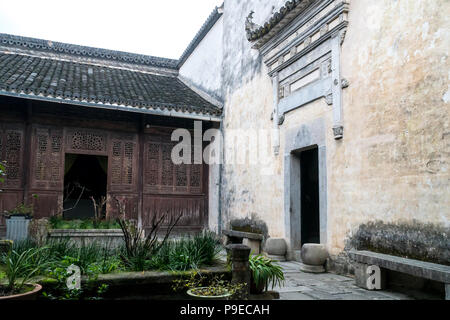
297	139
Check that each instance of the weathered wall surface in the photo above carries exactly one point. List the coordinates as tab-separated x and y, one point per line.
392	164
204	66
246	189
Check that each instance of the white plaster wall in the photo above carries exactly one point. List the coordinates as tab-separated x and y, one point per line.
203	67
392	164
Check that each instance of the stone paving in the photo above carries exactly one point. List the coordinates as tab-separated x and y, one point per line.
326	286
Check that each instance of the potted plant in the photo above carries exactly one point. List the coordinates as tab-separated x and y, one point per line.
215	289
17	222
20	267
264	272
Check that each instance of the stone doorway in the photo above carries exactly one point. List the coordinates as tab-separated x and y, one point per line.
309	196
305	219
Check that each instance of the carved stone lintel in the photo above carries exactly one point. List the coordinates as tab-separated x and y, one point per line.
323	29
338	132
307	41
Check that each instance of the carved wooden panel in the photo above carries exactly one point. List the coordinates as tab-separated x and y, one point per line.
171	189
162	176
130	202
11	151
192	209
123	163
8	201
86	141
46	204
48	158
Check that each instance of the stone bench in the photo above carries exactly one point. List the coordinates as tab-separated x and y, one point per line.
416	268
253	240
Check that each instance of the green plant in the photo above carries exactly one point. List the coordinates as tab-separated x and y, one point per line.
58	222
20	267
138	249
2	172
201	285
265	272
188	252
22	209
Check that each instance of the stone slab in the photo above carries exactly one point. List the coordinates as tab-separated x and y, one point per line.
240	234
427	270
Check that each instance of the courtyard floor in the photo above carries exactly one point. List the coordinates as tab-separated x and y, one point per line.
326	286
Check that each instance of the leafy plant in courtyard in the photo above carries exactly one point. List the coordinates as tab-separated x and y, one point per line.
265	272
58	222
138	248
188	252
20	267
22	210
2	172
201	285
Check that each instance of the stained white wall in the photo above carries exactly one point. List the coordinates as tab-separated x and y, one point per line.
203	67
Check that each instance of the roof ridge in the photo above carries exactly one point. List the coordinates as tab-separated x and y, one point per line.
86	51
256	32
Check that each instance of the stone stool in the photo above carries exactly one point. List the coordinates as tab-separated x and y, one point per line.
313	257
275	248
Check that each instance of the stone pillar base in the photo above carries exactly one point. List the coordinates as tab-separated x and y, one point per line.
276	258
311	269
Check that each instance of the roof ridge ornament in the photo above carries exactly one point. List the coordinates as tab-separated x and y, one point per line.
250	26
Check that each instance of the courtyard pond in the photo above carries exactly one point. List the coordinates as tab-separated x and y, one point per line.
122	272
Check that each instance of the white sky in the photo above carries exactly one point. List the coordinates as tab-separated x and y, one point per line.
161	28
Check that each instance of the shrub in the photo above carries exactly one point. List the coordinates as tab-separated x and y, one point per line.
265	272
21	265
187	253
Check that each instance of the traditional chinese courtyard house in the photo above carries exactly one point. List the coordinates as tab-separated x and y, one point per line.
98	121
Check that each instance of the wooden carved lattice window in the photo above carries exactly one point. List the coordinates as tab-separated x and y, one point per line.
152	164
163	176
122	162
167	165
88	141
48	157
11	149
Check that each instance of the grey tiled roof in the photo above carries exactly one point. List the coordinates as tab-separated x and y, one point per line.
278	20
67	74
77	50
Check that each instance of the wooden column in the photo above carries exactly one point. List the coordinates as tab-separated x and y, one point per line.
141	141
27	165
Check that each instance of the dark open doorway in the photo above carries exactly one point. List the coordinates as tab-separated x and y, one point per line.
309	190
85	176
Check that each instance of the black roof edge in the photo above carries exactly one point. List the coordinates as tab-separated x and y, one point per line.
91	52
206	27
